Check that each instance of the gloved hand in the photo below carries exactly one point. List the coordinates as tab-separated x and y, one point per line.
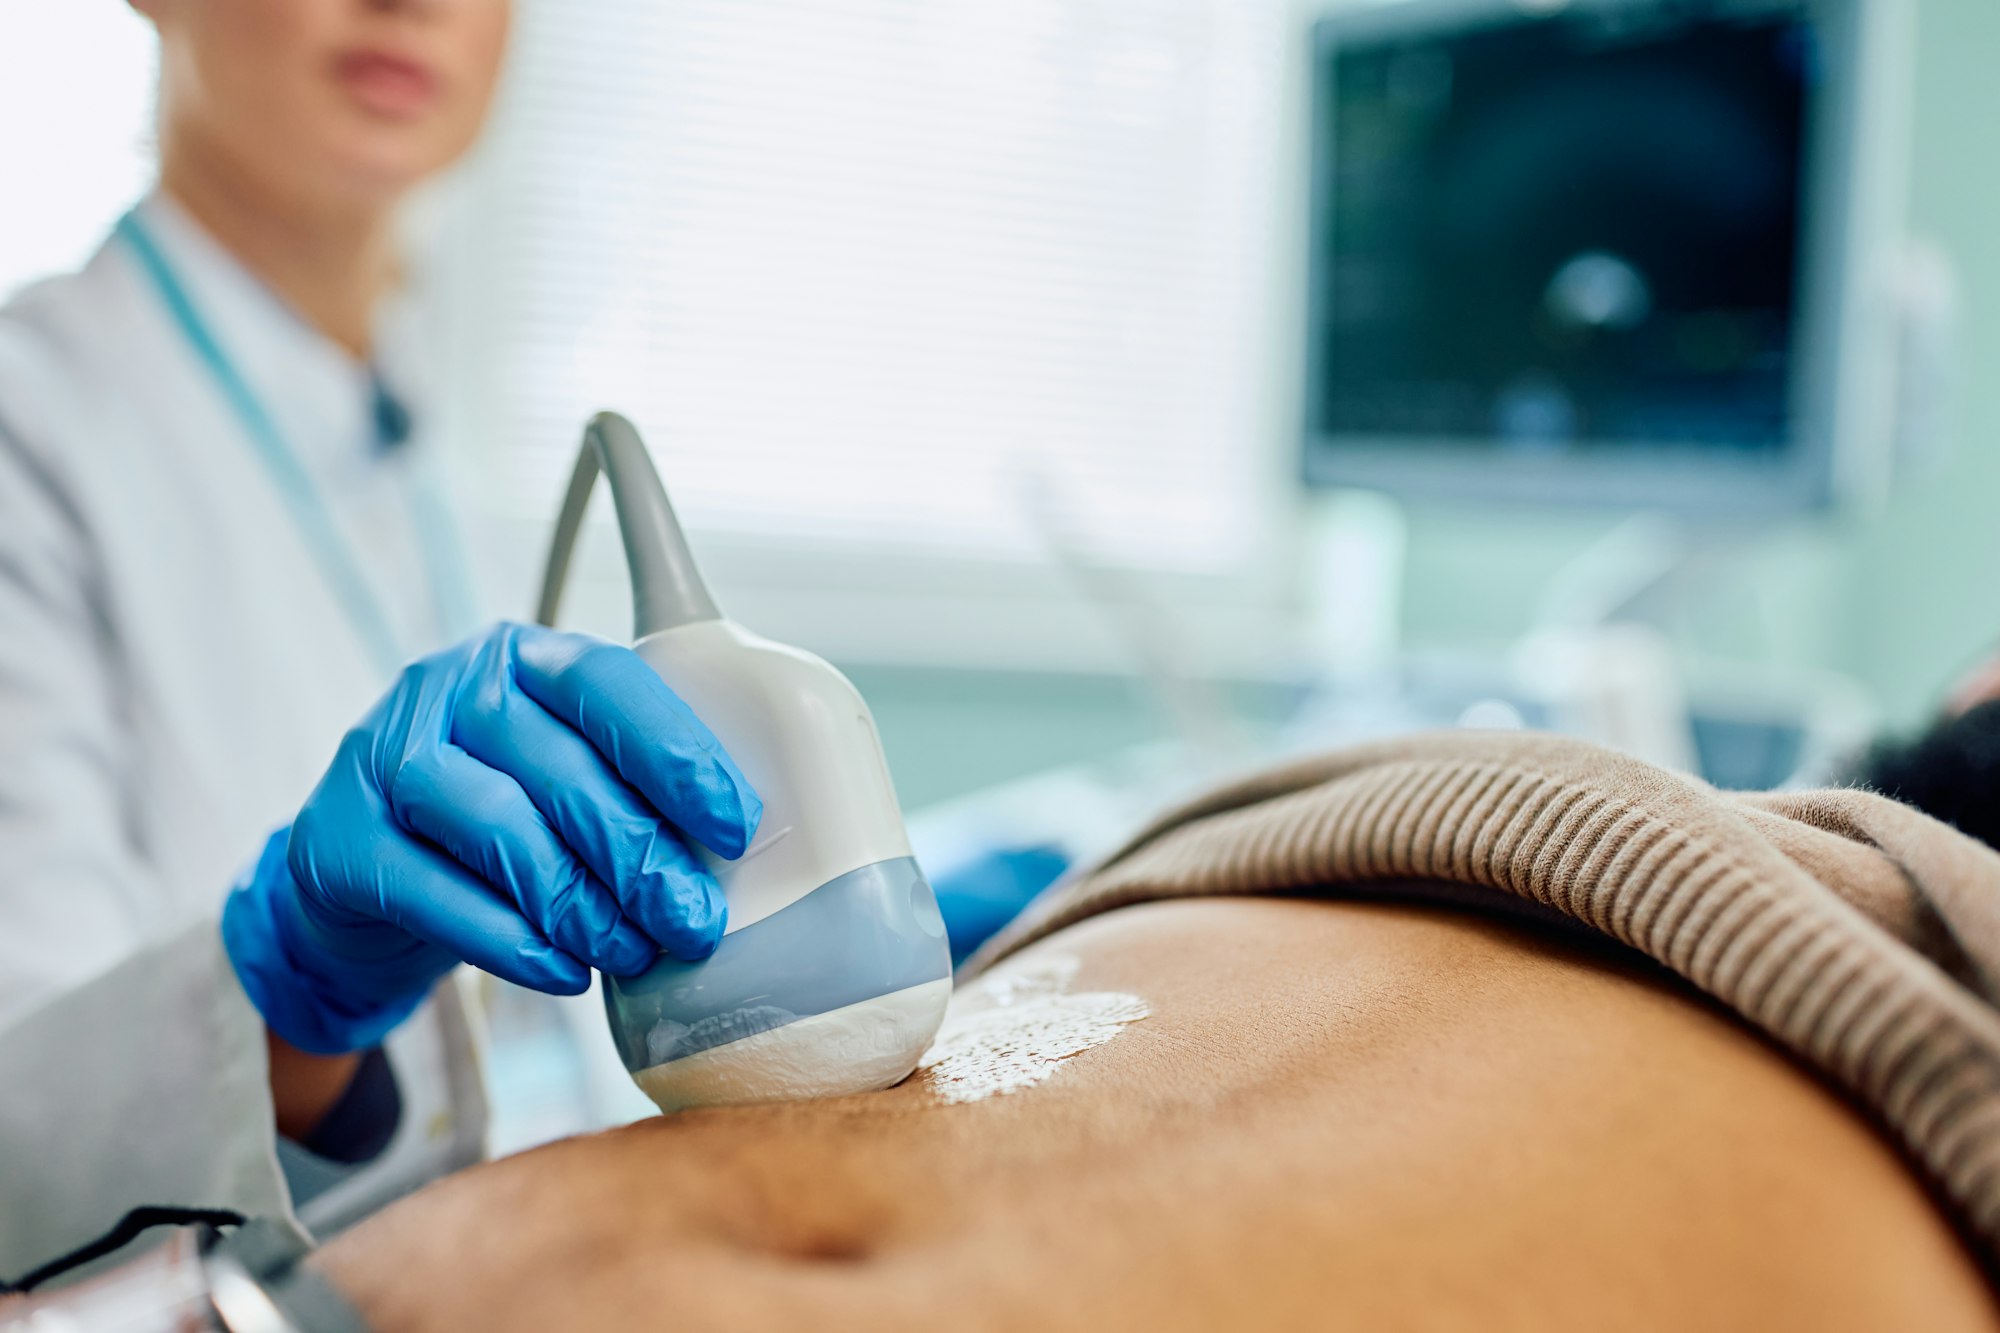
518	802
980	896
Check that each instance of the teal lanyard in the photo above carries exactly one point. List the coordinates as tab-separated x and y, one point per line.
343	573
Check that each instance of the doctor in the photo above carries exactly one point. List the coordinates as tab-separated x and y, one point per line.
220	543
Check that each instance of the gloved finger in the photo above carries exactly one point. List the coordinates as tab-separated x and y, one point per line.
436	899
645	732
609	827
487	823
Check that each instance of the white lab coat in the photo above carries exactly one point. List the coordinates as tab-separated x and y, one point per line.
175	672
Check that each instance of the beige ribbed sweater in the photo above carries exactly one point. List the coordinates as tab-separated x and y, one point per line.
1859	934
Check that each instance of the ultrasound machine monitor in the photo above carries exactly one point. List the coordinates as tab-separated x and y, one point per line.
1590	252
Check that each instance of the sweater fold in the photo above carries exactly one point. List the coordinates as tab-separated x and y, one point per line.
1858	934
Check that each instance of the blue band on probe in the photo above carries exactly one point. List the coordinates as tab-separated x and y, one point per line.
860	936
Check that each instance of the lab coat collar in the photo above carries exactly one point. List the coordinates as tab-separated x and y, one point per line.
322	397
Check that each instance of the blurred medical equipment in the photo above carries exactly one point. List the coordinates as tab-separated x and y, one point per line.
834	973
1617	252
1136	620
1642	255
504	804
202	1280
1738	729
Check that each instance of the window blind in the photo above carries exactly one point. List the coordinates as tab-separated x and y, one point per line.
885	271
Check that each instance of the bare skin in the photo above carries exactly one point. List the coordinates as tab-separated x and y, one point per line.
304	1086
1339	1115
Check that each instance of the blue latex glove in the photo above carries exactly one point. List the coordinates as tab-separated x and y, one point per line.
518	802
985	893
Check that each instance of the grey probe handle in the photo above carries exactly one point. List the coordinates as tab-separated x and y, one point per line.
667	589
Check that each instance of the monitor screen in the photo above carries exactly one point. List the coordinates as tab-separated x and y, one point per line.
1575	237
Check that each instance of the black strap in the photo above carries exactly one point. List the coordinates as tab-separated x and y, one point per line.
129	1226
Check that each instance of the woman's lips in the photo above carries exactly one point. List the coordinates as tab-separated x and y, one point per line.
386	84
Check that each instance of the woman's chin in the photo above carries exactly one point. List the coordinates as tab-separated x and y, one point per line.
375	159
379	171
